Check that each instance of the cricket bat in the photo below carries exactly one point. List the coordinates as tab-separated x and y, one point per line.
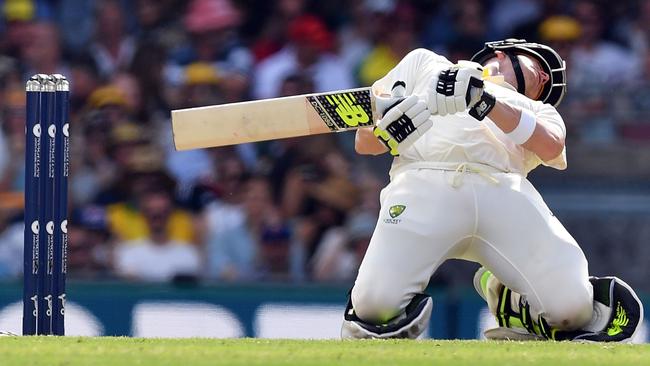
276	118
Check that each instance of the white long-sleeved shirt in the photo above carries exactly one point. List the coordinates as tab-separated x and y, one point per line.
460	138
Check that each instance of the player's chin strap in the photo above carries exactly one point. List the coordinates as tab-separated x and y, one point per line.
413	323
521	83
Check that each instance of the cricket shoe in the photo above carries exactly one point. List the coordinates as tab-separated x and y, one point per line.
617	316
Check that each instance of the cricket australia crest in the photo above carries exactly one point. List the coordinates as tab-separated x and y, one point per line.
394	211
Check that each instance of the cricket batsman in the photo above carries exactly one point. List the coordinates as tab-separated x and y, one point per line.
464	137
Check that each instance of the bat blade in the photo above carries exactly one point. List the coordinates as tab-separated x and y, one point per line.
269	119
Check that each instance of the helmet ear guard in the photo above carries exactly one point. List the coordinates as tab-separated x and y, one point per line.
550	61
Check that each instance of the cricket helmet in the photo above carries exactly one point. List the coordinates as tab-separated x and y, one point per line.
550	61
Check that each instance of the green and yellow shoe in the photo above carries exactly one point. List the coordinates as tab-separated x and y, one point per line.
618	313
617	316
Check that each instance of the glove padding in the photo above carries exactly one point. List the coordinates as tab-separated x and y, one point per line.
405	119
456	89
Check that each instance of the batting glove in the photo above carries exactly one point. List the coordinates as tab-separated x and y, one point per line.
458	88
405	119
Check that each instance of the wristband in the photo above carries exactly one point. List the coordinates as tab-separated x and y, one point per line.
525	128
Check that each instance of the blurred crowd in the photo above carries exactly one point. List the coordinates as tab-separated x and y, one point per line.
298	209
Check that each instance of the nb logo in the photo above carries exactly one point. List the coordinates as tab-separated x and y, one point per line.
50	227
482	107
35	227
621	320
351	114
37	130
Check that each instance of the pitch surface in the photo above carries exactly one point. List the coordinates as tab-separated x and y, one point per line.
159	352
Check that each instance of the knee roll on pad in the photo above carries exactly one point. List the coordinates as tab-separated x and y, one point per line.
414	322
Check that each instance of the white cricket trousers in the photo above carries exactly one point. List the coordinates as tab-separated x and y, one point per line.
496	219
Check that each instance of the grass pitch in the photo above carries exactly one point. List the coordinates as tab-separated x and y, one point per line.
188	352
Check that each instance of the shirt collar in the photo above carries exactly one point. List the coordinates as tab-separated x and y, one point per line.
499	80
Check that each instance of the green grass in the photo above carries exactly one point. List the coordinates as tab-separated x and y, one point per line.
53	351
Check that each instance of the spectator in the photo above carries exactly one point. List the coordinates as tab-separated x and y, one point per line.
633	106
507	15
340	252
94	171
12	142
470	29
596	66
76	19
530	29
148	68
201	86
112	48
14	25
41	52
296	84
109	161
127	216
272	36
158	23
89	243
128	86
224	211
308	51
272	233
341	248
636	31
211	25
253	245
318	200
109	104
11	234
399	38
560	32
156	257
359	34
85	76
595	61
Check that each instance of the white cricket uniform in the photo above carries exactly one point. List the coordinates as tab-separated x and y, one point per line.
465	195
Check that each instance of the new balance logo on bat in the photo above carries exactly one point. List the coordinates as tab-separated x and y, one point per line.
341	111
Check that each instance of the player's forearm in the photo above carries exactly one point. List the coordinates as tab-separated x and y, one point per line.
366	143
544	141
